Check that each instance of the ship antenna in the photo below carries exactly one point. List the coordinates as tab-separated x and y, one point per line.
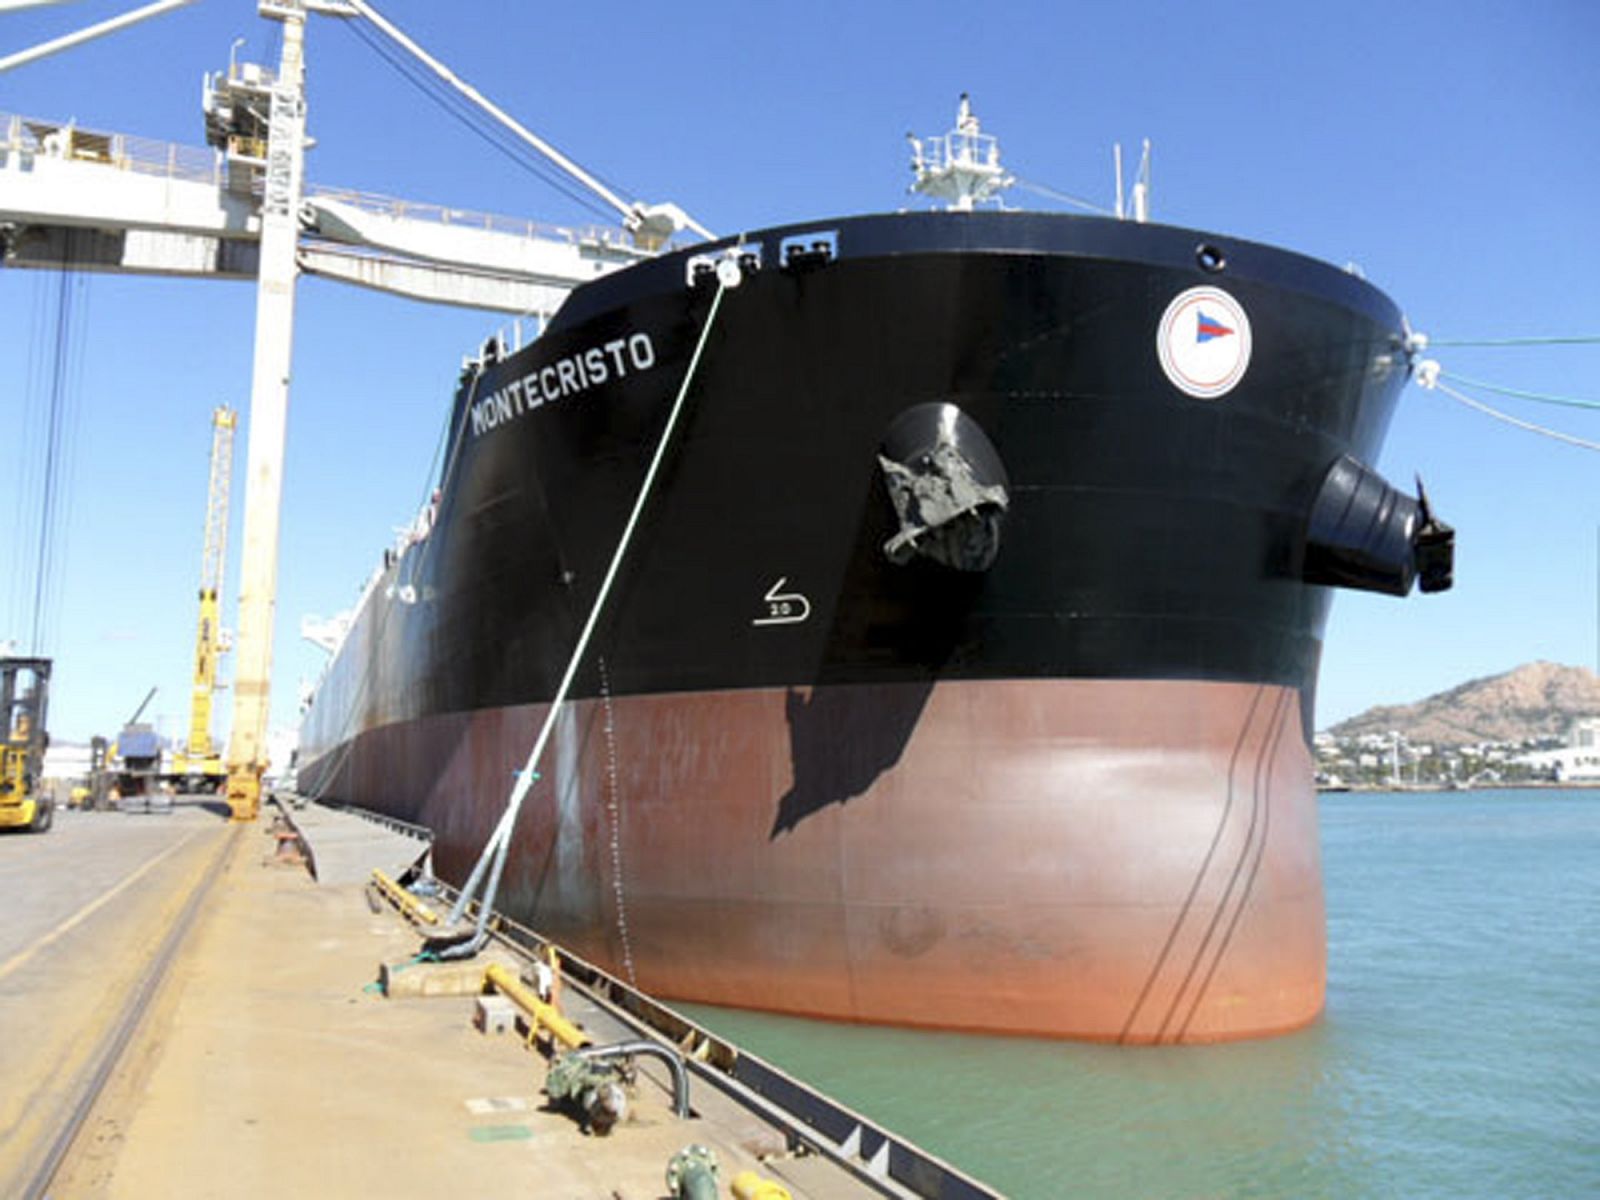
1116	158
1141	187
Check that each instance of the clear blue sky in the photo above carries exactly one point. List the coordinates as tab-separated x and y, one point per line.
1451	149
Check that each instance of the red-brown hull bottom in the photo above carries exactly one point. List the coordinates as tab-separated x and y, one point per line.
1131	861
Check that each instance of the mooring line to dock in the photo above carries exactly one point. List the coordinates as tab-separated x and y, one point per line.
115	1044
1530	426
492	860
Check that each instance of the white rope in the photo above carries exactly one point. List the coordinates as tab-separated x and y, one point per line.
1428	379
500	840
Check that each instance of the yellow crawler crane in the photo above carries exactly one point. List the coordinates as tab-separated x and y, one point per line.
200	764
24	704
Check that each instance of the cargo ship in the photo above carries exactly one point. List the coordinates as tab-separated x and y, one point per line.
960	672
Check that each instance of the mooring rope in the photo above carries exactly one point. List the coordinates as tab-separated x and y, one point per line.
495	849
1578	340
1427	378
1520	394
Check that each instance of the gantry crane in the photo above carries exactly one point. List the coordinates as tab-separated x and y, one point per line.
251	221
200	763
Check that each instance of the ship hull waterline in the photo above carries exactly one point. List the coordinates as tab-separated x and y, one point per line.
1129	861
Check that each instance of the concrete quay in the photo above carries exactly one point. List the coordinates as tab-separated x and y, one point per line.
202	1019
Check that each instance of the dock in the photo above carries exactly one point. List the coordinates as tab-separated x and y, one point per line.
203	1012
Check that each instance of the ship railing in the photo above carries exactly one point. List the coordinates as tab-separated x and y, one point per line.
960	149
27	139
251	75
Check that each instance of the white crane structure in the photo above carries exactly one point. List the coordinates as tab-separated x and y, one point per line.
112	202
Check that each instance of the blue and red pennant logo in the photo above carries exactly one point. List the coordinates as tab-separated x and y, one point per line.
1210	327
1203	342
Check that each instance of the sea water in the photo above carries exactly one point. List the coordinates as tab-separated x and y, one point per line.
1459	1055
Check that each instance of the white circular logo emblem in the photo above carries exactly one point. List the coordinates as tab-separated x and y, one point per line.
1204	342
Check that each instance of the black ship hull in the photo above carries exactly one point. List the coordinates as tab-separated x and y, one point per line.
1040	769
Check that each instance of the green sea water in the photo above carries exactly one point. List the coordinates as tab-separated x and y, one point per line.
1459	1055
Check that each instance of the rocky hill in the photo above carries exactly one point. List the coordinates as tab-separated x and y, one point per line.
1539	699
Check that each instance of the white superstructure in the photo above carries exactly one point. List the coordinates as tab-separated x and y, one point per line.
961	167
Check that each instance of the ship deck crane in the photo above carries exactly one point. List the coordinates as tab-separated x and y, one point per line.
200	763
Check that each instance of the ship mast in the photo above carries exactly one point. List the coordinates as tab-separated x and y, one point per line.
961	167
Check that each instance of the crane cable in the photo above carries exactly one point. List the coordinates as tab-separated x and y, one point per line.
64	366
484	112
474	122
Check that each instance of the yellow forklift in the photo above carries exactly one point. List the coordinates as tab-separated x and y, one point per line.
24	702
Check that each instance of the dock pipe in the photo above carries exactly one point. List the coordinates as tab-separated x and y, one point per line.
674	1061
408	903
539	1013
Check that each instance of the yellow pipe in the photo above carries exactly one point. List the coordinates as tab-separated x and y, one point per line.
540	1015
747	1185
409	904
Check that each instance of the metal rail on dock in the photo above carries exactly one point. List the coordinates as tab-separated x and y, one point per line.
871	1154
421	832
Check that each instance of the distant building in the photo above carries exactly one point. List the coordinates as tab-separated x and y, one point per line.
67	761
1576	762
